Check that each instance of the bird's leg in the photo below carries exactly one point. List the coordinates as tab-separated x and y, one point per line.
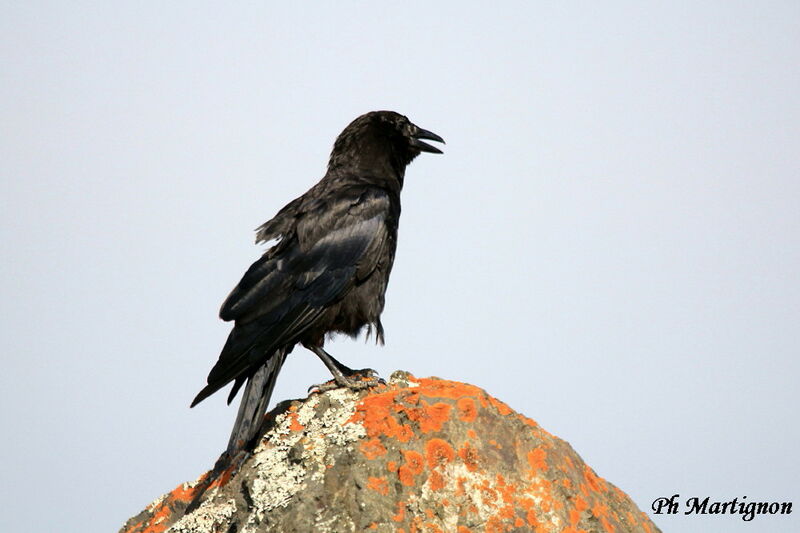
344	369
344	376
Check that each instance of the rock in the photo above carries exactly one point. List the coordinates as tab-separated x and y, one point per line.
415	455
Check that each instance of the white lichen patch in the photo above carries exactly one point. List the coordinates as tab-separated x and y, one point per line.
325	522
206	519
157	502
287	458
471	497
480	505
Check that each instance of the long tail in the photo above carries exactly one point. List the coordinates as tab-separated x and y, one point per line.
254	404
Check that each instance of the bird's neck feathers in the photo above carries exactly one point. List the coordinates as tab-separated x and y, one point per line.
374	161
346	175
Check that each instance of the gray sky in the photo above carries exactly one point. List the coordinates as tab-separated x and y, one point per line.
610	244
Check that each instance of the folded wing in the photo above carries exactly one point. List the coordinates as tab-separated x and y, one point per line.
291	285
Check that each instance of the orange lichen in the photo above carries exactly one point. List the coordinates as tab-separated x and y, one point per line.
494	525
460	485
507	512
406	476
436	481
414	465
159	521
374	413
373	448
430	417
600	510
133	528
224	477
391	466
414	461
438	453
580	504
527	421
501	407
489	494
384	414
378	484
469	455
401	512
506	490
411	398
294	423
183	492
442	388
464	529
530	516
537	460
467	411
596	483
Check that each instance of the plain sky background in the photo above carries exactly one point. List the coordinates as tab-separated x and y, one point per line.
610	243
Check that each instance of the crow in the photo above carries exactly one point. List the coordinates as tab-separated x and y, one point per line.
326	274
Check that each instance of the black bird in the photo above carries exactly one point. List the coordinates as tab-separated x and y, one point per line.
328	271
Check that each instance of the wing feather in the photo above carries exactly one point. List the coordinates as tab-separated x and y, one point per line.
290	286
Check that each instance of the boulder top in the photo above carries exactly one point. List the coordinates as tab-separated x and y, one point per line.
414	455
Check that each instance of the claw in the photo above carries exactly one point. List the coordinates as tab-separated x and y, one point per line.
323	387
318	388
359	380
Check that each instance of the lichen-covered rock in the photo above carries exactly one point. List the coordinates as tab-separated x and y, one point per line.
415	455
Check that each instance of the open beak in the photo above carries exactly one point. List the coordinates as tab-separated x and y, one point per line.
423	146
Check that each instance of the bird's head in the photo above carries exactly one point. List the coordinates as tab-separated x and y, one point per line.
382	138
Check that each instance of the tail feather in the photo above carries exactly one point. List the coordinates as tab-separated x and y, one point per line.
254	403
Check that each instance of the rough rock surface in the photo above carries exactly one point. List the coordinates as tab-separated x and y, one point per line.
415	455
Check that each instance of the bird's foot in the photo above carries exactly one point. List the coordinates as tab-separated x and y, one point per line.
354	380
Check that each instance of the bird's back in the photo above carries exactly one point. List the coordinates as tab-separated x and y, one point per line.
327	274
